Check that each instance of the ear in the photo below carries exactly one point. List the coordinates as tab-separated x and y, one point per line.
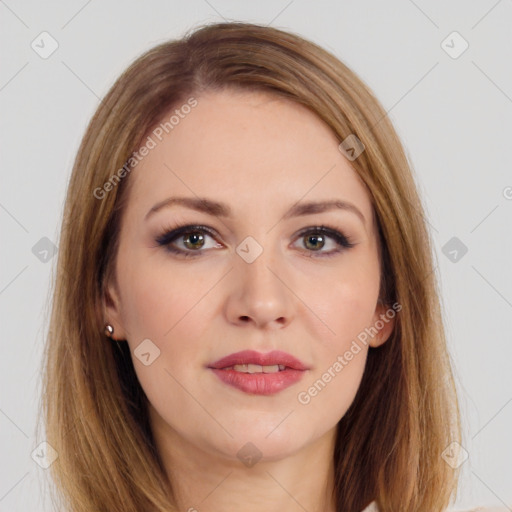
112	310
383	322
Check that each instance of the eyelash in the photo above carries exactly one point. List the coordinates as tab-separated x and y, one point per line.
171	234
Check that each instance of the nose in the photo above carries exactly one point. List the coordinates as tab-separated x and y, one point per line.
259	294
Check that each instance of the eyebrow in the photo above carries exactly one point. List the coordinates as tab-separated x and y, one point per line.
217	209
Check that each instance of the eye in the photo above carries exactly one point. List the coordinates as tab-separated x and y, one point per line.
194	238
315	240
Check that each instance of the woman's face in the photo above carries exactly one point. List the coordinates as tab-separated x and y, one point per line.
259	278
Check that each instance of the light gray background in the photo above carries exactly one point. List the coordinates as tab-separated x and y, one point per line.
454	116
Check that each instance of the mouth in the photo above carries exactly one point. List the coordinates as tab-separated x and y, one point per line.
256	368
259	374
250	361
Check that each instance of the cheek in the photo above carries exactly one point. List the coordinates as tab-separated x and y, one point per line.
351	309
159	300
331	391
340	358
166	308
346	299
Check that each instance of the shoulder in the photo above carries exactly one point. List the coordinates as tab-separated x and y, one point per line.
372	507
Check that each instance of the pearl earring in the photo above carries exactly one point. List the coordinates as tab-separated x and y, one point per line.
109	330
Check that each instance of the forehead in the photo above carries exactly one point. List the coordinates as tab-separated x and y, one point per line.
246	149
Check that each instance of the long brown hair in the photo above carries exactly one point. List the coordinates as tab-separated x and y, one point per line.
390	442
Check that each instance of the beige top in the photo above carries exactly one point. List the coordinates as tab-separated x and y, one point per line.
372	507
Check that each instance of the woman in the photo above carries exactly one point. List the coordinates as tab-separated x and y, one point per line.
246	314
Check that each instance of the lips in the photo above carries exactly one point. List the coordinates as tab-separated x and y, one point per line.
259	374
251	357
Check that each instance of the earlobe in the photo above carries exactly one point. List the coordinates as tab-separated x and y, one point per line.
384	323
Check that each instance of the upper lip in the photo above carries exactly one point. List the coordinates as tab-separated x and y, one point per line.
253	357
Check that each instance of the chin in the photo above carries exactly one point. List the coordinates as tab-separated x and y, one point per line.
257	443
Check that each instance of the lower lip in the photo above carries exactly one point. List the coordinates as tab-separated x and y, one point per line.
259	383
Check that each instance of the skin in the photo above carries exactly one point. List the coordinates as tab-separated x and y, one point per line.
259	154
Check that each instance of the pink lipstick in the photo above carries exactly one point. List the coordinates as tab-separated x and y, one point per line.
259	374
